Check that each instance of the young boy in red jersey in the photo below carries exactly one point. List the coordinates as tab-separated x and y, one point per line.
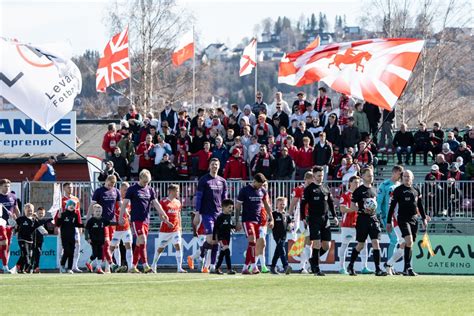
170	231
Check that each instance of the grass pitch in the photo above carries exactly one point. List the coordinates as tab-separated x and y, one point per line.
199	294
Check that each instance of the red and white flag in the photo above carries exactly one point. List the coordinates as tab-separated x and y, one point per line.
114	64
184	50
248	61
374	70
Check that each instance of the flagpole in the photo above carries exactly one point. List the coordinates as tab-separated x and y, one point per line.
130	61
194	74
256	65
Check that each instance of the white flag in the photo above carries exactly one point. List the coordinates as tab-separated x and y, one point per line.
248	59
40	80
56	206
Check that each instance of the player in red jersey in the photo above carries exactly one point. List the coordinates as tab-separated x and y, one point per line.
294	210
10	211
261	241
348	223
122	233
67	195
170	231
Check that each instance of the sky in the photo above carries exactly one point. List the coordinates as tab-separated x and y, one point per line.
82	22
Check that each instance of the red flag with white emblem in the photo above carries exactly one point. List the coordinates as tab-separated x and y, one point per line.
184	50
374	70
248	61
114	65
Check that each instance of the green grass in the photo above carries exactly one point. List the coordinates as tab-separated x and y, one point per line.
198	294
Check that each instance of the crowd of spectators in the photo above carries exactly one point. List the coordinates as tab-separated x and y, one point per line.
278	140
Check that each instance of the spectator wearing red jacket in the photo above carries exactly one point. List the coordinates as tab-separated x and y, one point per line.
110	141
304	163
235	168
182	164
292	149
145	151
204	155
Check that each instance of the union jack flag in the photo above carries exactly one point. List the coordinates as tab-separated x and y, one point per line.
114	65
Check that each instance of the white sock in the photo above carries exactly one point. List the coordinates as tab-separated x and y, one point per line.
196	254
117	256
156	258
364	254
303	258
129	256
262	260
396	255
208	259
99	264
107	265
179	258
77	252
342	255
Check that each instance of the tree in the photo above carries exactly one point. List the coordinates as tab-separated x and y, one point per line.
278	26
155	27
313	22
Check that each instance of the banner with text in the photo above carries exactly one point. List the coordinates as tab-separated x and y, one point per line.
19	134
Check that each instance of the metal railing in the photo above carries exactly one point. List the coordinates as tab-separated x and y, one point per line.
443	201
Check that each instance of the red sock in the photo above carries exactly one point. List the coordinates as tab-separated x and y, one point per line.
143	254
106	251
136	255
250	255
3	254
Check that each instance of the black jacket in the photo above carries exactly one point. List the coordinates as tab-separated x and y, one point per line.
166	171
403	139
373	114
281	222
223	227
422	138
263	165
68	221
333	134
285	166
350	136
120	165
104	174
322	155
284	119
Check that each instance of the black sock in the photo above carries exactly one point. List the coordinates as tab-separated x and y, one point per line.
322	251
354	256
376	253
221	258
227	259
407	257
315	260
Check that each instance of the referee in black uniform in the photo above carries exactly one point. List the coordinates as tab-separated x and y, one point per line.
367	224
409	204
319	200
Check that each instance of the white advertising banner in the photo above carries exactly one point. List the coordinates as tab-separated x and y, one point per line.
19	134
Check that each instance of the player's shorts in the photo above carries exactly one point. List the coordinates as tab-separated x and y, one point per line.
408	228
252	229
3	233
262	231
320	230
224	242
121	235
348	234
367	226
165	238
207	221
140	228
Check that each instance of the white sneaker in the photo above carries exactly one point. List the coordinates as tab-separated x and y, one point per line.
70	271
182	271
304	271
153	268
76	270
13	270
